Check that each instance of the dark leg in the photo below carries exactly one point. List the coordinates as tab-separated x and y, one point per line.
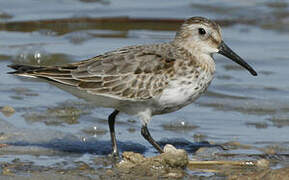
146	134
111	120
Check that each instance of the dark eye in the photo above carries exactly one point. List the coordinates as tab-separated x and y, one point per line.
202	31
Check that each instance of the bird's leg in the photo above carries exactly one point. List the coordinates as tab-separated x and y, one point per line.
146	134
111	120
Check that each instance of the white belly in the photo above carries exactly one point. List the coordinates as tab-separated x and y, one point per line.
182	92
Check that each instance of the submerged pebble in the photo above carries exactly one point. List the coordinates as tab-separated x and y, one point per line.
21	91
94	131
56	115
179	126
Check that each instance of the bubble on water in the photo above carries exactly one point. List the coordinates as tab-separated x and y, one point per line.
83	139
31	55
37	57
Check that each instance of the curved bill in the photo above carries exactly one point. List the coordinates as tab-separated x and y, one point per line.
229	53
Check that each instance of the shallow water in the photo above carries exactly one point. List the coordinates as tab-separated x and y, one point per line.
237	107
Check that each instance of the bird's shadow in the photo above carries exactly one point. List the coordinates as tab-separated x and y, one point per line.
99	147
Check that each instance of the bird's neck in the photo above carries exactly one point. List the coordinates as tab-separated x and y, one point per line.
207	62
199	58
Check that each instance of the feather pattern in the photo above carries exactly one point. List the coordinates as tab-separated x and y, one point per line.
134	72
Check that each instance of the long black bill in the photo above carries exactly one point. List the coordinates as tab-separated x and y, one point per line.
229	53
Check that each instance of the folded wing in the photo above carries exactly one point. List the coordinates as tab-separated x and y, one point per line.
136	72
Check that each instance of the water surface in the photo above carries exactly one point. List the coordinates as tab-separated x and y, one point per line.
237	107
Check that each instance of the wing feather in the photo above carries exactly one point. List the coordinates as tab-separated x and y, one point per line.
135	72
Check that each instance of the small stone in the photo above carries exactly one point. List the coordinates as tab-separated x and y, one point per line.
3	136
169	148
6	171
263	163
7	110
133	157
131	130
170	164
175	175
83	166
109	172
175	158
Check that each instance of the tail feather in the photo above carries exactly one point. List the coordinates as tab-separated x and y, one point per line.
23	69
52	73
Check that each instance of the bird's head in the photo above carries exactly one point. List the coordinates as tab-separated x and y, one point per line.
201	35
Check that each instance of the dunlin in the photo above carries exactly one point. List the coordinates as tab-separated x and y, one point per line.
145	80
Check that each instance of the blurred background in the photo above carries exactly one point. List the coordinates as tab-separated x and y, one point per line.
48	127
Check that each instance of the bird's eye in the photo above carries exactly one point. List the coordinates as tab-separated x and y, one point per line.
202	31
